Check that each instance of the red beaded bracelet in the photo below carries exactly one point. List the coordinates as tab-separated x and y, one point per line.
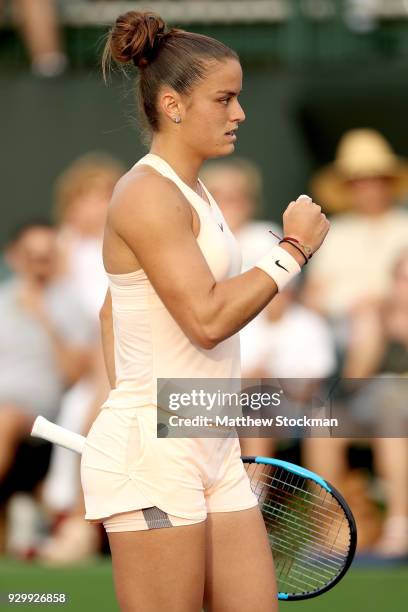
291	239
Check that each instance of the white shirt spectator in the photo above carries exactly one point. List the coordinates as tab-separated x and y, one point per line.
86	273
356	259
298	345
255	240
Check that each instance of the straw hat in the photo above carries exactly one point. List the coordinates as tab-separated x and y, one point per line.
362	153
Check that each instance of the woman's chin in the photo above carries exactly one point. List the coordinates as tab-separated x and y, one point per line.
220	151
226	149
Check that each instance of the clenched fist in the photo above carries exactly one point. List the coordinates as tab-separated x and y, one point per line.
305	221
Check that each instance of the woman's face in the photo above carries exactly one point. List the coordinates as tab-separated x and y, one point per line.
211	114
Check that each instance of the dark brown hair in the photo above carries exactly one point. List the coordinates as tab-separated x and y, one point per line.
165	57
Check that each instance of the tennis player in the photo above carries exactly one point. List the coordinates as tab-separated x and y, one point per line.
184	527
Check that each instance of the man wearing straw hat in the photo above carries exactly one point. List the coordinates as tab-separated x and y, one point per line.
364	184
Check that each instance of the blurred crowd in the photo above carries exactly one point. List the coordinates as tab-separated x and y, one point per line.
50	351
38	25
347	317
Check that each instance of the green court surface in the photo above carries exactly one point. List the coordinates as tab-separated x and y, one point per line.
89	587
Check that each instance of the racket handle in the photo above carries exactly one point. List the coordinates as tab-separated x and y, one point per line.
42	428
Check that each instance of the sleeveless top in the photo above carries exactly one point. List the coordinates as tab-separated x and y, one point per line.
148	343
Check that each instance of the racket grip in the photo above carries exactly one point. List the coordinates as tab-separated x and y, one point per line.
42	428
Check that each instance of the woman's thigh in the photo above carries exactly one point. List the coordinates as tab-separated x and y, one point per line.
240	573
159	569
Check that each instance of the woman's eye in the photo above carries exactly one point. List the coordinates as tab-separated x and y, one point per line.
225	101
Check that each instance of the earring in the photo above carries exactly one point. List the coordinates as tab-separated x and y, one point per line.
177	119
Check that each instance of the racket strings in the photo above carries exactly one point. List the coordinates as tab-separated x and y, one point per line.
306	525
335	551
304	547
301	498
302	508
288	503
283	479
304	557
298	579
335	532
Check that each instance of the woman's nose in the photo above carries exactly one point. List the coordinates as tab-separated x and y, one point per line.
239	115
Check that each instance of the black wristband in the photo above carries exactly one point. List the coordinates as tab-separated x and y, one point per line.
296	247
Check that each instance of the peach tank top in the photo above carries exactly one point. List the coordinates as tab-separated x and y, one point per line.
148	343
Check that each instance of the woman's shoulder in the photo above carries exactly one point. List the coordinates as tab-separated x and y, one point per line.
144	195
142	180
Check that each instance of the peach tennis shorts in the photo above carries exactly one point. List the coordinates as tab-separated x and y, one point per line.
133	480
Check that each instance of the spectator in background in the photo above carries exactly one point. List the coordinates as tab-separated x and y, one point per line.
347	283
368	231
37	21
236	185
379	348
82	194
379	338
44	349
286	341
281	337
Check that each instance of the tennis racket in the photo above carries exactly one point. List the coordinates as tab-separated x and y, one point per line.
311	529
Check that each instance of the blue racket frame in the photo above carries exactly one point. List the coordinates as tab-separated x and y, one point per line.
304	473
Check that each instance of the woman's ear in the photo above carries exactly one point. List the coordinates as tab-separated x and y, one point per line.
171	106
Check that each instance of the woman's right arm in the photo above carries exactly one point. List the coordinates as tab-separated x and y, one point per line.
154	219
106	321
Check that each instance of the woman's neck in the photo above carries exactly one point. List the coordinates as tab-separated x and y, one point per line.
183	161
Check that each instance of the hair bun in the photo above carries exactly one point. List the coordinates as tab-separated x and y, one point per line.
135	37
